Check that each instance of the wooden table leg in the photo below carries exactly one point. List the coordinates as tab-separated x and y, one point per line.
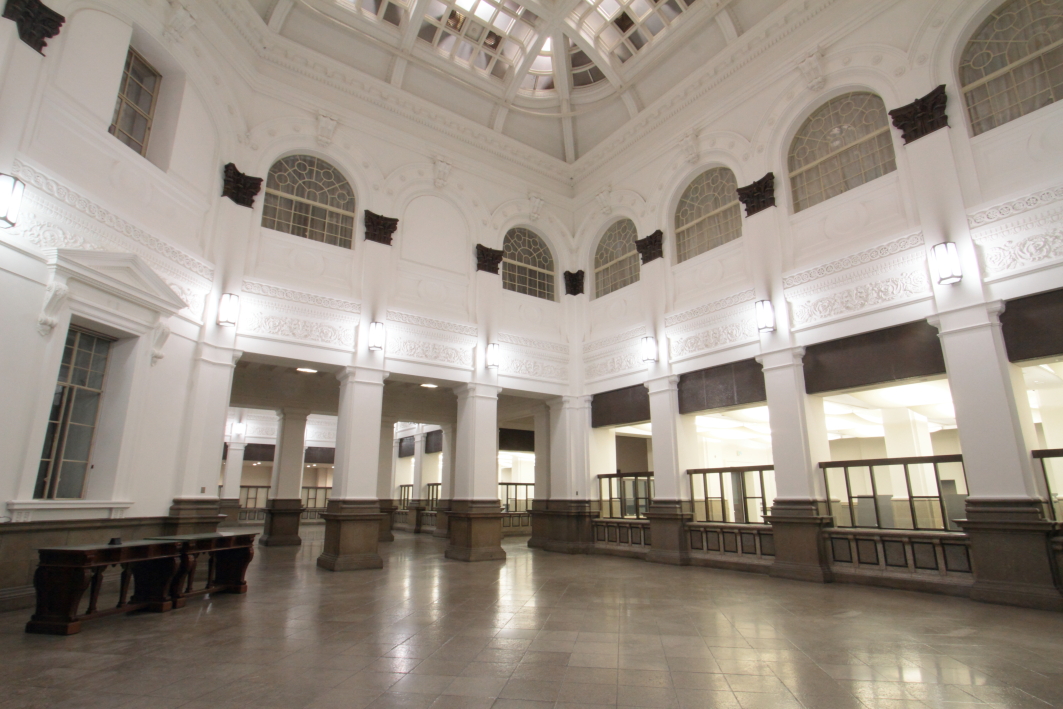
152	583
230	567
59	592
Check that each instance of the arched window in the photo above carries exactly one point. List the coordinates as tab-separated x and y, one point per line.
310	198
527	266
1013	64
844	144
616	262
708	214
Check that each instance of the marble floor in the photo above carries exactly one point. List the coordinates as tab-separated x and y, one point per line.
539	631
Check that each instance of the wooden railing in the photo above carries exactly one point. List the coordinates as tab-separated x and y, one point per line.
749	547
909	558
624	537
1051	462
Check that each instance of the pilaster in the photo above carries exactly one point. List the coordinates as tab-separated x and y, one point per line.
474	521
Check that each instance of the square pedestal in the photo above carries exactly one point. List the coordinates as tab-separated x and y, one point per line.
386	508
565	526
475	530
352	534
282	524
800	545
668	536
193	516
230	511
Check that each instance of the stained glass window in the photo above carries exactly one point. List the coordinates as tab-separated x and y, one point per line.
1013	65
527	266
708	214
845	143
616	261
308	197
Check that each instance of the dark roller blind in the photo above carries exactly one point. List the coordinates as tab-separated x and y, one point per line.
718	387
1033	326
433	442
406	447
319	455
512	439
621	406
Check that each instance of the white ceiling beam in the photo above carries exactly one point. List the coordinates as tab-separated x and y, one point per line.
563	84
279	14
413	25
728	24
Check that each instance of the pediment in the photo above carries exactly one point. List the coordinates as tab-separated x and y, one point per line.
124	274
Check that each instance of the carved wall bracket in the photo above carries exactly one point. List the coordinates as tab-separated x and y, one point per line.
922	116
159	337
651	247
240	188
37	23
488	259
574	282
380	229
758	196
55	294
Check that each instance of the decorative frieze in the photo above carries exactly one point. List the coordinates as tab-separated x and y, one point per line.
36	22
735	332
532	343
531	368
1017	206
631	334
403	346
922	116
379	228
758	196
615	364
488	259
431	324
296	328
890	248
702	310
651	247
851	301
1019	254
295	296
240	188
574	282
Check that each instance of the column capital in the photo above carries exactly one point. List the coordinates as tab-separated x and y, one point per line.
669	382
780	359
237	446
970	317
291	413
569	402
362	375
477	390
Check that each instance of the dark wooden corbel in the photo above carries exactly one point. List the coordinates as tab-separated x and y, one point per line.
239	187
758	196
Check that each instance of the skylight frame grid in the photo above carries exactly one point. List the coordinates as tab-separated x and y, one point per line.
462	31
624	27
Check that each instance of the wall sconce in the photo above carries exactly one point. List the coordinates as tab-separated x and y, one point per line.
11	190
649	349
492	356
765	316
945	264
376	336
228	310
237	431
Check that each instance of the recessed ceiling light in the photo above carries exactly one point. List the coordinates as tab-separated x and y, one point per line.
306	370
430	386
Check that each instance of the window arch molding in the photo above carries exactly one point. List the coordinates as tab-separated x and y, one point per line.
856	80
678	184
344	167
535	228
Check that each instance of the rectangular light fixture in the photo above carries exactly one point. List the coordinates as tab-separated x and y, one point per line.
649	349
765	316
492	356
376	336
945	264
11	190
228	310
238	430
306	370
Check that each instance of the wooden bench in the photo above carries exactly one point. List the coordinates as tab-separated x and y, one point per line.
161	571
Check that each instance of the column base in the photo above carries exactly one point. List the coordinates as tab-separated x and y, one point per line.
282	524
414	514
352	533
442	509
800	545
193	516
230	510
386	508
1011	550
562	526
475	531
668	538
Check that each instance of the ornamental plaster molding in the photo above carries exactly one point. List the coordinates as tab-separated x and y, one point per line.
889	291
533	369
52	236
401	346
295	328
609	341
878	253
408	319
64	194
619	363
735	332
702	310
996	213
295	296
532	343
1020	254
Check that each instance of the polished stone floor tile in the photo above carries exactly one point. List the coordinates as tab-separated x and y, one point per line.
539	631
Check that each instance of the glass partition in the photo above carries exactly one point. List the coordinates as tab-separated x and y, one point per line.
625	496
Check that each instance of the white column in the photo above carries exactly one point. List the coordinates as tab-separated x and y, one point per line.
798	427
675	440
418	465
385	481
542	453
446	487
358	435
992	410
476	452
571	452
287	480
234	470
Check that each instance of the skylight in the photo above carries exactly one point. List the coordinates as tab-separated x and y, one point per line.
390	11
488	35
624	27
